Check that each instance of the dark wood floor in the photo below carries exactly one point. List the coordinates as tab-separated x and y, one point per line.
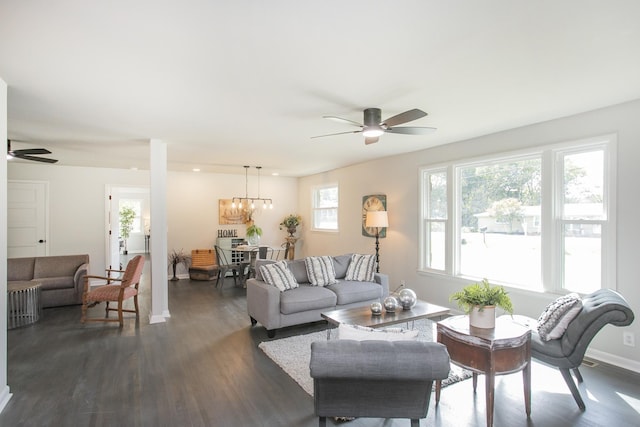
203	368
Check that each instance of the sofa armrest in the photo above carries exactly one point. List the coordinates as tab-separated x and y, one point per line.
78	278
379	360
263	303
383	280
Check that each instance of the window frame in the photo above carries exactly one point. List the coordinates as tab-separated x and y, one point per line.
314	209
552	188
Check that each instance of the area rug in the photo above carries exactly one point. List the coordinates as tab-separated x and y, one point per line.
294	353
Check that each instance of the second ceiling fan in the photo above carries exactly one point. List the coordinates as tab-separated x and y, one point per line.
373	126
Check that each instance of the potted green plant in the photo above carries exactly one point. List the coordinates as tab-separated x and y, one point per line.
127	215
291	223
178	257
253	234
479	301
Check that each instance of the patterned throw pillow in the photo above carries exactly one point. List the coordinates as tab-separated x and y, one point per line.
556	317
361	268
278	275
363	333
320	270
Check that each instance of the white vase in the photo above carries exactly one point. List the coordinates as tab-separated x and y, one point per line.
485	318
253	240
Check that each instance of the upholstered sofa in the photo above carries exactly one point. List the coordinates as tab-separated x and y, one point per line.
276	309
61	277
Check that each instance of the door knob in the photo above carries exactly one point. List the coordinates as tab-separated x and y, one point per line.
41	241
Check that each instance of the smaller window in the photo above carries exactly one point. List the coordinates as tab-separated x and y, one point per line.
325	208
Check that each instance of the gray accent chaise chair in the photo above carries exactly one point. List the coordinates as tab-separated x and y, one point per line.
378	379
600	308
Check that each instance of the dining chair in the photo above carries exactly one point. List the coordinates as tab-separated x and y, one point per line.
226	263
125	287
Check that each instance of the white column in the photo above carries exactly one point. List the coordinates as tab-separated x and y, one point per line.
158	250
5	395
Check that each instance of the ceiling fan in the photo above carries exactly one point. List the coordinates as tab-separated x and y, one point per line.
373	126
29	154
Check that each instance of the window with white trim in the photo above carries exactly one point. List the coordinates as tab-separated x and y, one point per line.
325	208
540	220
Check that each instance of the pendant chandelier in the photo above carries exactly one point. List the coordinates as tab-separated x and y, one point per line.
250	202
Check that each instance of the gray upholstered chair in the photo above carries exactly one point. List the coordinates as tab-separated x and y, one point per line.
379	379
600	308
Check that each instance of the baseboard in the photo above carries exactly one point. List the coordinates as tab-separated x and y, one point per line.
614	360
4	397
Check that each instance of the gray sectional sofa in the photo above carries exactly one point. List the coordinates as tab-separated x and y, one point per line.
275	309
61	277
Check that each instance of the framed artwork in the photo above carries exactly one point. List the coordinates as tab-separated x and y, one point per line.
374	202
228	215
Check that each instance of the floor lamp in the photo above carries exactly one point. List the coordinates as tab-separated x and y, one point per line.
377	219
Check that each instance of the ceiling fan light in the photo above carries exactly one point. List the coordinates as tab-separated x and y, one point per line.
372	132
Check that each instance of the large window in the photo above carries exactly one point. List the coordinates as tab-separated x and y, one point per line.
537	220
325	208
136	205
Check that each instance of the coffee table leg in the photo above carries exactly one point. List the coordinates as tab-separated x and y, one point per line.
438	388
328	334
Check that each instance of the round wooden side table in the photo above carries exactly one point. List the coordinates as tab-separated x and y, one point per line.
504	349
23	303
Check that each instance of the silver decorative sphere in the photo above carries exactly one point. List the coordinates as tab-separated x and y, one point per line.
376	308
408	298
390	304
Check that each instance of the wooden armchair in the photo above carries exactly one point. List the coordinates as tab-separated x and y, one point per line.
125	288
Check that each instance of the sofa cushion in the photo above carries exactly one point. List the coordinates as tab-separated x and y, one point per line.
259	263
299	270
341	264
320	270
278	275
363	333
62	282
361	268
557	315
55	266
348	292
20	268
305	298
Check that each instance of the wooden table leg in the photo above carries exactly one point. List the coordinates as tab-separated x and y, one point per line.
490	378
438	388
475	382
526	380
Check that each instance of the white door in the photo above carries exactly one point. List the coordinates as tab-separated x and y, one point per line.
27	219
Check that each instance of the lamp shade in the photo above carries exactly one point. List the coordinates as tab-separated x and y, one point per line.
377	219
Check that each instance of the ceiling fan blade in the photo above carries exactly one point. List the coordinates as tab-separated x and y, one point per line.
412	130
339	133
341	120
31	151
36	159
405	117
371	140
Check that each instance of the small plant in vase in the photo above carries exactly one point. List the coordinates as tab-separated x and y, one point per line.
253	234
291	223
178	257
479	301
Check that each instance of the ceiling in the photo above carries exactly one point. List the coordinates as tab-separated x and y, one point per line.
247	82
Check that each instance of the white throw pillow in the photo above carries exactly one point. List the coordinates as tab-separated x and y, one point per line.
361	268
278	275
363	333
556	317
320	270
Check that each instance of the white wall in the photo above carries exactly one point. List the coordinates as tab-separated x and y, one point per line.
397	177
5	395
77	206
